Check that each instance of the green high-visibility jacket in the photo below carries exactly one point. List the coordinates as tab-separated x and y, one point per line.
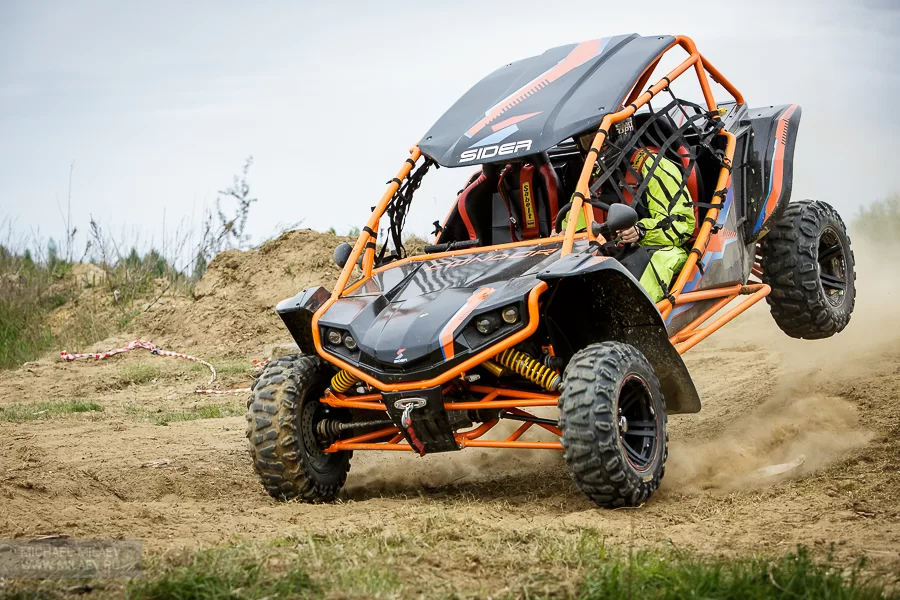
669	226
671	222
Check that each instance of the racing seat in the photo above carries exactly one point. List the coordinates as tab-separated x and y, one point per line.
505	203
470	217
526	201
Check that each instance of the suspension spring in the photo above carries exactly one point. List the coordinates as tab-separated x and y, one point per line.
529	368
343	381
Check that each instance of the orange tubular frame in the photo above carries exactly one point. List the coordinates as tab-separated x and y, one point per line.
494	398
390	438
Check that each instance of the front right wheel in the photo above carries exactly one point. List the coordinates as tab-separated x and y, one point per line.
613	422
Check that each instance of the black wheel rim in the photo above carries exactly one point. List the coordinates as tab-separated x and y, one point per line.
311	413
637	423
832	266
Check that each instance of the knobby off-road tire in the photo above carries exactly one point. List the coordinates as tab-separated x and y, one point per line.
807	259
613	422
283	410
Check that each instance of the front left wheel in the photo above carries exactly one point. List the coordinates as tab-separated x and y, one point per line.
808	261
613	422
283	414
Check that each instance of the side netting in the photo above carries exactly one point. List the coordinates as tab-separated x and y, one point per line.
396	212
664	167
680	132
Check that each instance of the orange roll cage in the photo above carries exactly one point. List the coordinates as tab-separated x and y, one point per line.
511	400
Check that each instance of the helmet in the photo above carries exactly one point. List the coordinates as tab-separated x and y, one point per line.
614	142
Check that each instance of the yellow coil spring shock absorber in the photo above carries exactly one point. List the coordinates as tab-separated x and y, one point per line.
529	368
343	381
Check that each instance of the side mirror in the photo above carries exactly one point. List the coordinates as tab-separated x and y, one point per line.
342	254
621	217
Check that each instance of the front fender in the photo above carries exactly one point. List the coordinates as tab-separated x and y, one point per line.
595	299
297	314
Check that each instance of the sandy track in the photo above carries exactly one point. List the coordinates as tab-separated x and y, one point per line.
767	400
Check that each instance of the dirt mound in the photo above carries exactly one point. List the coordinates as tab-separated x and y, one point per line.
233	311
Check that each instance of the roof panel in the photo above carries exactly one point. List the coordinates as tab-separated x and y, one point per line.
532	104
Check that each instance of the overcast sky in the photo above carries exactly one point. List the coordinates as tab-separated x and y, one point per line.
159	103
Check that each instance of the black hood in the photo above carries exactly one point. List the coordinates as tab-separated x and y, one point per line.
413	319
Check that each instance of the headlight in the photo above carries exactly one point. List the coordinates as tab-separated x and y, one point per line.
484	325
510	314
349	342
334	336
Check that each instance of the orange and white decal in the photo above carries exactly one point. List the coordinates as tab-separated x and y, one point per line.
448	333
579	55
776	177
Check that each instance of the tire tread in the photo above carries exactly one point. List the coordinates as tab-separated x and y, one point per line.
590	431
789	254
275	445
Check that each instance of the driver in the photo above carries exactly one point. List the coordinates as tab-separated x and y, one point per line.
665	210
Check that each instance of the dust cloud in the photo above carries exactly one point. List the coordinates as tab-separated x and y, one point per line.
804	416
806	431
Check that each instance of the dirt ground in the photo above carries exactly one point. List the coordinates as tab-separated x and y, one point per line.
768	400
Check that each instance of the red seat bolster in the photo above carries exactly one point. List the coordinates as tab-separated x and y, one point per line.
461	205
552	192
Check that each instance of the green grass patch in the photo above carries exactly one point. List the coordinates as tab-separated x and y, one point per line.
138	373
671	574
450	558
32	411
227	573
382	564
196	413
23	335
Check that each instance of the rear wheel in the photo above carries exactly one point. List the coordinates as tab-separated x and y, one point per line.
282	418
807	260
613	422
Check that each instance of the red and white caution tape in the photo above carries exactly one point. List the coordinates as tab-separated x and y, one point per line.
154	349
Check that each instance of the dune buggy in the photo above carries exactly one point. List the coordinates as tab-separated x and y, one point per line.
508	312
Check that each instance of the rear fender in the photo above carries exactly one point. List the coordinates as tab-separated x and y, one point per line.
595	299
770	163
